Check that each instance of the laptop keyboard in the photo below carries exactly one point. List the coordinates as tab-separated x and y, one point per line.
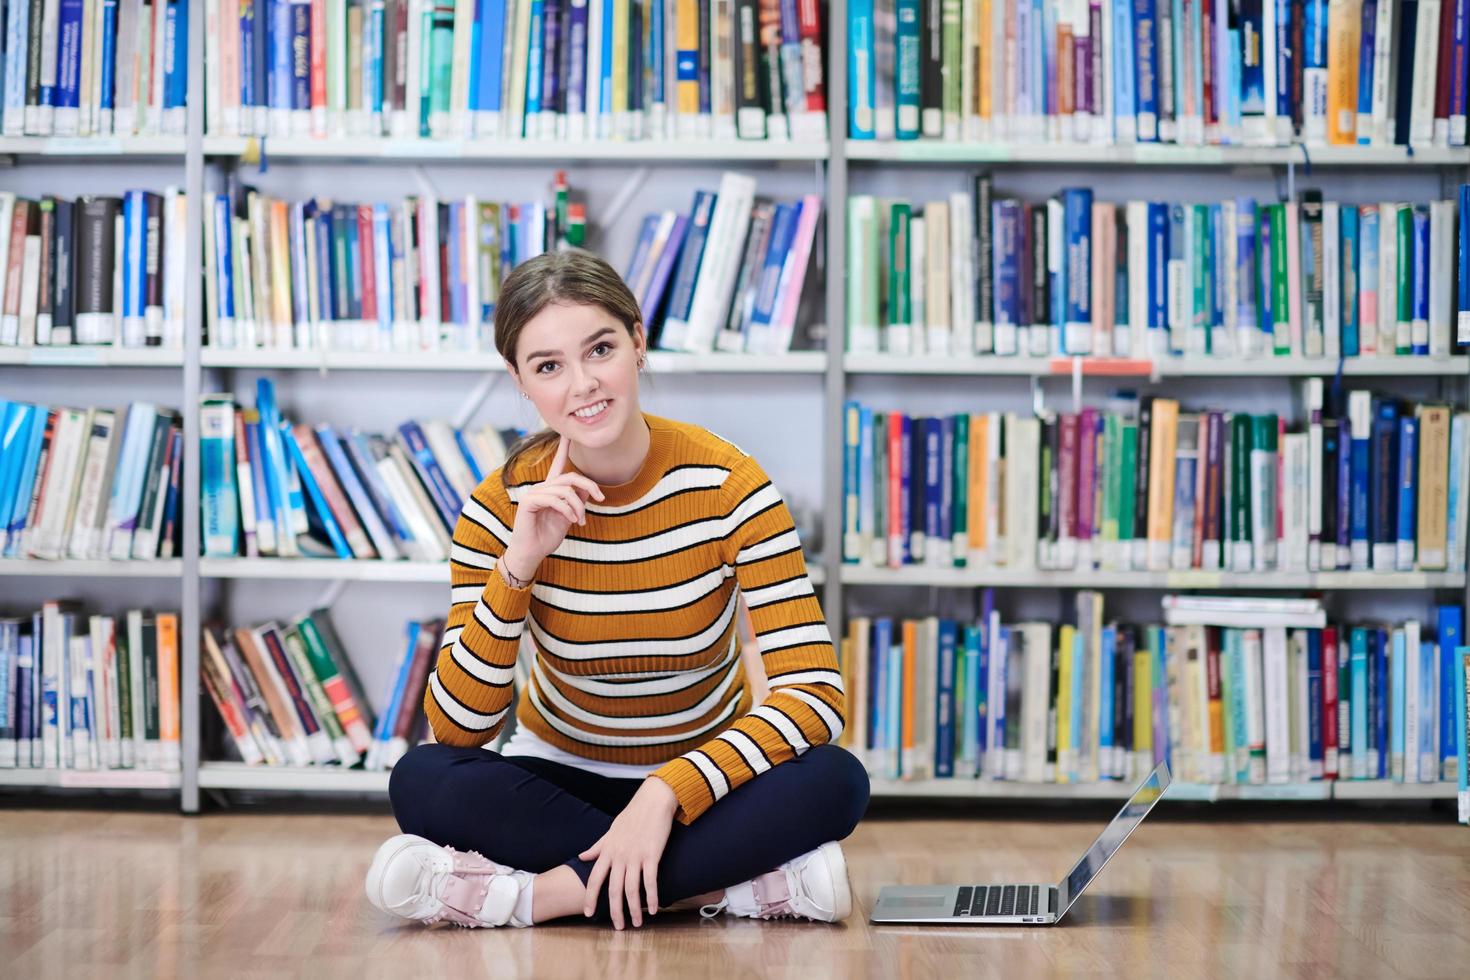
997	900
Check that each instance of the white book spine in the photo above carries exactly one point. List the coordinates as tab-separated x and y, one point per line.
1275	680
1331	279
1426	61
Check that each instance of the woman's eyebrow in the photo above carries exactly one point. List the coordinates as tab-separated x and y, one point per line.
552	353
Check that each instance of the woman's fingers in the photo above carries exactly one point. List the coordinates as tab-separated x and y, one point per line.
594	885
650	885
630	888
547	500
615	896
559	461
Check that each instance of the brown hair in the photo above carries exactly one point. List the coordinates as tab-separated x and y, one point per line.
573	276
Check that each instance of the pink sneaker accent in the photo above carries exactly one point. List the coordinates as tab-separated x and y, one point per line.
414	878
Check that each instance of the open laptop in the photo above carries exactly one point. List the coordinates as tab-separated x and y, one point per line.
1019	904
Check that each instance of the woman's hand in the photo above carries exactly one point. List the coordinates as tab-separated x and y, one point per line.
546	512
630	850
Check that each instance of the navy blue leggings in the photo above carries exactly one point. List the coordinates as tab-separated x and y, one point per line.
535	814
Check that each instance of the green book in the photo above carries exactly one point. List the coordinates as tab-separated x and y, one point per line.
1127	487
960	527
1227	699
900	311
1203	275
951	65
1240	495
879	552
1404	232
862	275
301	662
1280	289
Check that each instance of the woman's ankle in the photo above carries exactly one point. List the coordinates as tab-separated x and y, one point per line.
557	894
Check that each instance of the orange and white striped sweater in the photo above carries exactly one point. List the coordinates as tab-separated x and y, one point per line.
631	625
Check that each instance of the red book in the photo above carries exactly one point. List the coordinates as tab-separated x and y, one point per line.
369	272
1086	479
810	22
318	44
19	224
337	503
1443	81
1207	59
1329	703
1067	491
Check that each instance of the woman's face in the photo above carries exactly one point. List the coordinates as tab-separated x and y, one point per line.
580	368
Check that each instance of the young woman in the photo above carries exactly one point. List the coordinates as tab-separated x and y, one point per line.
611	547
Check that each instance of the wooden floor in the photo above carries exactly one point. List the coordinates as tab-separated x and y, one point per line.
1196	892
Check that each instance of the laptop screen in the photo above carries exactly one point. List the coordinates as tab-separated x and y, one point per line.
1102	849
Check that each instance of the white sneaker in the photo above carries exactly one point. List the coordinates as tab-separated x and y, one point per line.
414	878
812	886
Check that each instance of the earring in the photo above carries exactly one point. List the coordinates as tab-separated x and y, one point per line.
525	396
642	361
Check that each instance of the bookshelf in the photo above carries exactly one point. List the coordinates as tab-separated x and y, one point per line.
835	166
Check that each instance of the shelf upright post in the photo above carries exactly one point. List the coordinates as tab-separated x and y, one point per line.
189	623
835	389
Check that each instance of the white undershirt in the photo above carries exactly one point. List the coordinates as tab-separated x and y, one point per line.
525	742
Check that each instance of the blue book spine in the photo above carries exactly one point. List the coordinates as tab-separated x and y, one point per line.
577	96
909	53
1380	649
17	22
299	55
9	641
248	98
1383	488
1079	653
1367	43
384	731
1459	56
325	290
534	59
1408	491
969	711
1397	705
603	102
378	35
1428	758
361	455
469	457
1344	464
134	268
1105	733
314	494
1314	703
1158	277
223	259
946	483
440	490
1215	275
279	55
491	54
933	435
1358	667
1247	324
331	447
945	707
25	705
264	511
273	459
1462	296
1462	730
105	101
1077	211
1125	118
1146	60
865	486
1285	59
656	41
28	467
893	713
852	510
67	95
1348	277
1006	219
783	230
176	59
983	705
1450	634
861	83
383	269
1000	655
15	435
1361	541
1419	329
878	695
217	463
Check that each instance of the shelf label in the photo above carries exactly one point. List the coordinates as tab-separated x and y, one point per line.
422	148
84	145
69	355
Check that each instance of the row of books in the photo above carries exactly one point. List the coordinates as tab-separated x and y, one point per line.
79	68
89	483
1191	72
1231	690
93	270
513	69
979	273
1364	482
80	691
727	276
288	695
416	274
274	488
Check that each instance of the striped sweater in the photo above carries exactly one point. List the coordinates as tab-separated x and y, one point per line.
630	626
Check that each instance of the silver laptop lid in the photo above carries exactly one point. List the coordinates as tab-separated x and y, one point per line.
1112	838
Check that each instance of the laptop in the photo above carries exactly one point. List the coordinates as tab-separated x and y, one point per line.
1020	904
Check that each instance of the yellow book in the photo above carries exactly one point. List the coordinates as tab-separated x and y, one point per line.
280	250
1433	504
1216	707
1143	706
980	503
1344	23
620	60
1065	758
686	14
984	52
1163	437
